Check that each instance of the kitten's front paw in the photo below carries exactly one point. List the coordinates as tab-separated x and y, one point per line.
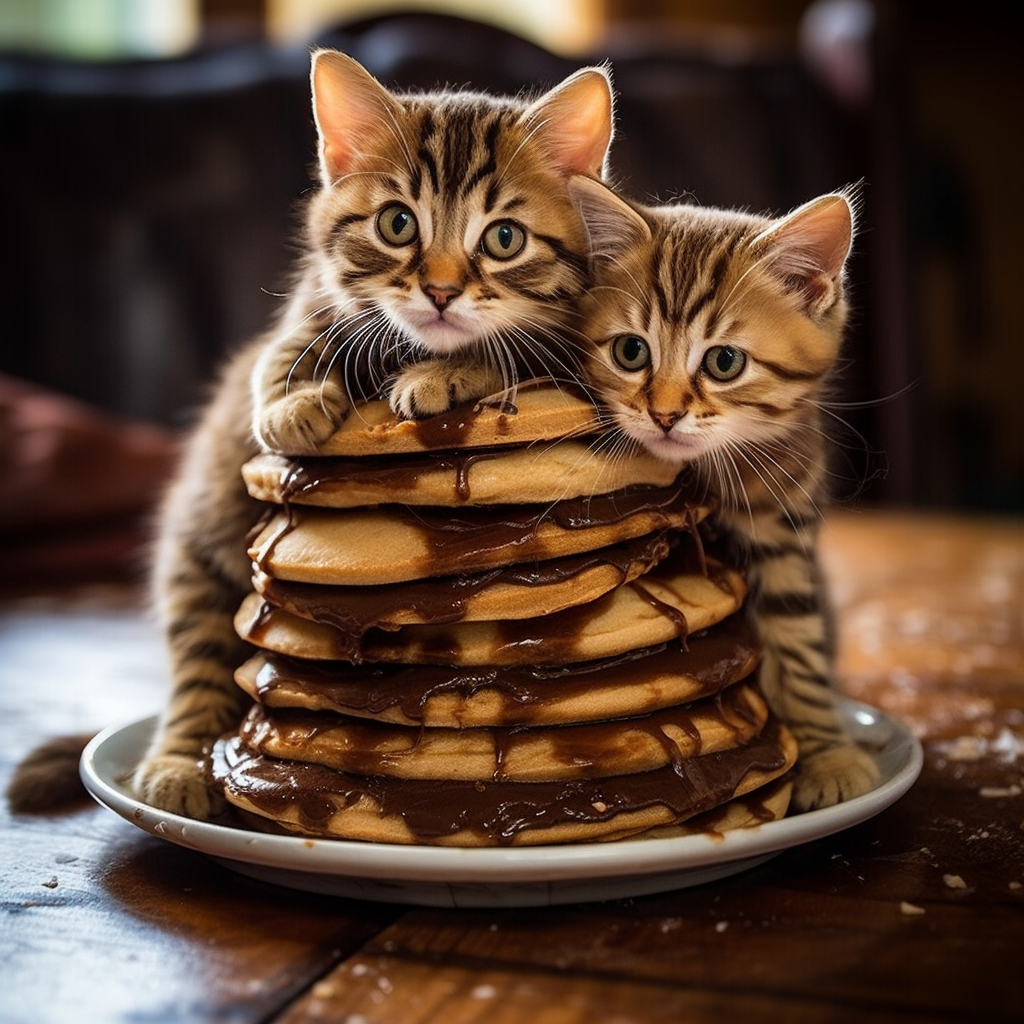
832	775
176	784
436	385
302	420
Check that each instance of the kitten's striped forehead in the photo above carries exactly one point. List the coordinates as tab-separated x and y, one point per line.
455	145
691	258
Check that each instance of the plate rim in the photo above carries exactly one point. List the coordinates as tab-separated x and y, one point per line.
401	863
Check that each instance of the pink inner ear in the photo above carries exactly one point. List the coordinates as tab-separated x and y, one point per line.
613	225
807	250
819	290
575	123
350	108
816	237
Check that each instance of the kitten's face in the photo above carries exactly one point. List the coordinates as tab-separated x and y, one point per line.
706	333
447	217
464	241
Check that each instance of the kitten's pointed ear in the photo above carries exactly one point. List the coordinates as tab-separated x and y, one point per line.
612	224
808	249
575	122
350	107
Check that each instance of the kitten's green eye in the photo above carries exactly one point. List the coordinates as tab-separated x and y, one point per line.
631	352
396	224
723	362
504	239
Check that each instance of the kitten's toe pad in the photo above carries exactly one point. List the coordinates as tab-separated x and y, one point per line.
435	386
176	783
830	776
303	420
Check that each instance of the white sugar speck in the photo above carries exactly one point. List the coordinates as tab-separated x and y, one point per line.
993	792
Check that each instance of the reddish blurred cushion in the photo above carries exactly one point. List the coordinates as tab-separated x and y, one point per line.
79	487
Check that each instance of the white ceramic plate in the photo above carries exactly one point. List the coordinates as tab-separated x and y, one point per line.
531	876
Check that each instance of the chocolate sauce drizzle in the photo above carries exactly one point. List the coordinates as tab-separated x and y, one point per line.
495	811
450	429
712	660
673	614
472	535
303	478
366	747
353	610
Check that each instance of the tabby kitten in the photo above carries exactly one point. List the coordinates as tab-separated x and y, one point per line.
711	338
442	228
443	225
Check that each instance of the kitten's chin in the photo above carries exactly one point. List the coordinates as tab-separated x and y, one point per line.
670	447
442	335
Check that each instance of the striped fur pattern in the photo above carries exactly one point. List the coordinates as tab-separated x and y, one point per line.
712	335
444	236
443	231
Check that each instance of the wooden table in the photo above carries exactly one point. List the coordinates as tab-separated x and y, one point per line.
914	915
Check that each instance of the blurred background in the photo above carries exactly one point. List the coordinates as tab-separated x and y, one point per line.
154	151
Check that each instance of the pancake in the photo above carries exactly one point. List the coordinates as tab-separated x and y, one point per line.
514	592
312	799
664	604
538	413
446	697
751	810
580	751
552	471
391	544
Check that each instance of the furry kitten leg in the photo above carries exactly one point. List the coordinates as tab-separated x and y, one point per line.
201	573
789	608
435	385
295	411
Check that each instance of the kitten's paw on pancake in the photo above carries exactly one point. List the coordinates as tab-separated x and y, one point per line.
176	783
301	421
436	385
830	776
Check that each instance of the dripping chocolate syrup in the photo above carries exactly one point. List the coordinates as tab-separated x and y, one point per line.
308	475
497	811
715	658
580	744
444	599
459	533
673	614
450	428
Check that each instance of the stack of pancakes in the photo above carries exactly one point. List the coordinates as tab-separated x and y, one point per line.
492	628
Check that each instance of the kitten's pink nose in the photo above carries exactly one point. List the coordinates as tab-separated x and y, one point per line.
666	420
441	295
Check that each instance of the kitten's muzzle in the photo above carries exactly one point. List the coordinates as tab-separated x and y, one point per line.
666	420
441	295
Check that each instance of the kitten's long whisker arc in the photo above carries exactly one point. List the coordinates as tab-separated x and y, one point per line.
304	352
797	485
336	339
